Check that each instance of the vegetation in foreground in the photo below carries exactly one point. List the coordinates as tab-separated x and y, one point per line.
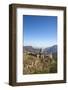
38	65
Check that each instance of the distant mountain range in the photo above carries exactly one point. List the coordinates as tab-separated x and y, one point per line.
52	49
31	49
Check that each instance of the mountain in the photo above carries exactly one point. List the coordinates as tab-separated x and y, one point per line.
31	49
52	49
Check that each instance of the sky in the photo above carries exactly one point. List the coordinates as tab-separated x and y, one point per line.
40	31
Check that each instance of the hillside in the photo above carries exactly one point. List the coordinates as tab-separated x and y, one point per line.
38	61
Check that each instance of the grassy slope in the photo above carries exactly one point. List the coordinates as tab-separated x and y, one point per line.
32	65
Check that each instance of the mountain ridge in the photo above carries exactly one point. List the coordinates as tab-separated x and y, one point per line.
52	49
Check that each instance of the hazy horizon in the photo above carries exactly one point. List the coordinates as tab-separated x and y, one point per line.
43	47
40	31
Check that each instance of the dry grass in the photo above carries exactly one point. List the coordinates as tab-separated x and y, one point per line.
34	65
